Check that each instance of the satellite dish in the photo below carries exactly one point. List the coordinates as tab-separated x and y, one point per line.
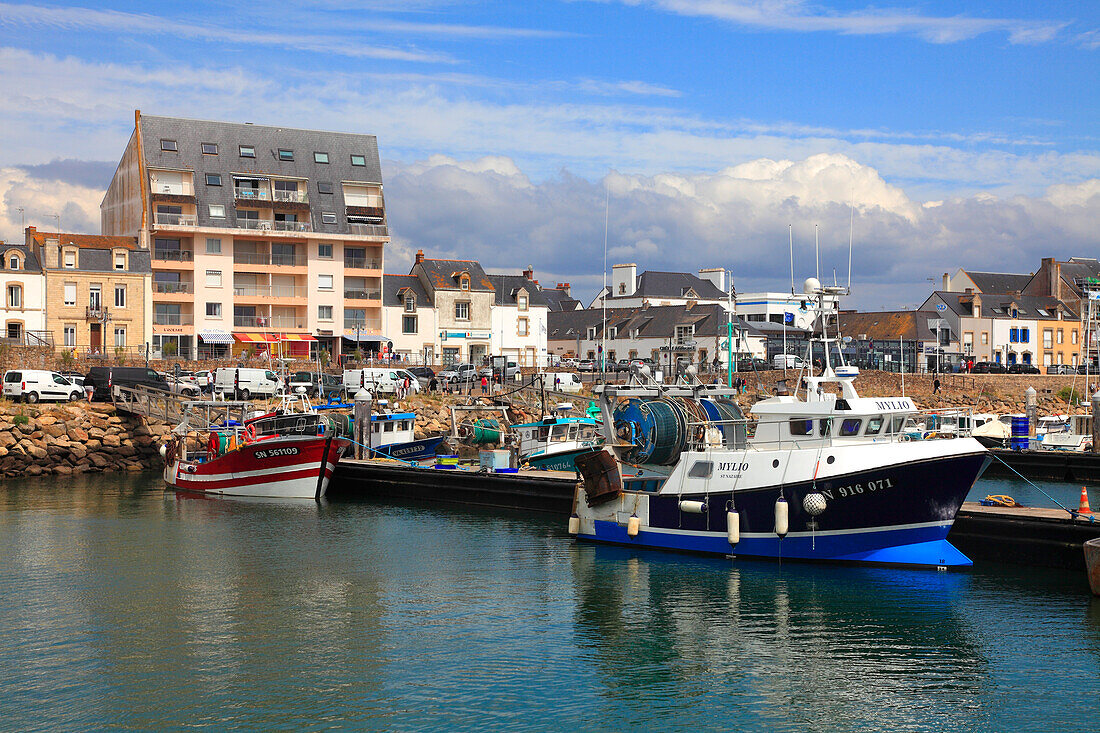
811	286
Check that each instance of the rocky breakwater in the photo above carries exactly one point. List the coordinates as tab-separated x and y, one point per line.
75	437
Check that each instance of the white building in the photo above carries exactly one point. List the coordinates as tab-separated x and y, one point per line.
519	319
24	308
630	290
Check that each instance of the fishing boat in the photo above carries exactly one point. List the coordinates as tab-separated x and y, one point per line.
822	474
393	435
291	455
1074	433
554	443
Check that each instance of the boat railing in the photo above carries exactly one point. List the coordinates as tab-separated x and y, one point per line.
293	424
713	434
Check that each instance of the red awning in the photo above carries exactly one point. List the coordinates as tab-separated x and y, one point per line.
257	338
296	337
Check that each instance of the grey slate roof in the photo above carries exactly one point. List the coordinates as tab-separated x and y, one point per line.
229	136
444	274
654	322
558	300
392	285
998	282
1028	305
653	284
100	260
30	261
1077	269
507	285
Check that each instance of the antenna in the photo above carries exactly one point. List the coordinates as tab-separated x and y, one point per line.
603	335
851	227
817	253
790	237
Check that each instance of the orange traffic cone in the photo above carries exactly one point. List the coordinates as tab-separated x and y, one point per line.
1084	508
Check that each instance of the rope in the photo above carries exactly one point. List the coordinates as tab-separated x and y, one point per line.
384	455
1072	512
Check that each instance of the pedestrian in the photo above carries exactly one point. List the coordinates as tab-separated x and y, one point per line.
484	384
408	385
433	384
936	385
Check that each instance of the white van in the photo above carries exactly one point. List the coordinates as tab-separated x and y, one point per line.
787	361
563	381
245	383
33	385
378	380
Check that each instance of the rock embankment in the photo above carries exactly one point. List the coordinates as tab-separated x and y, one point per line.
75	437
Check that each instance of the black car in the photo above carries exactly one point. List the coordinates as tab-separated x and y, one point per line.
100	379
988	367
755	364
329	384
1023	369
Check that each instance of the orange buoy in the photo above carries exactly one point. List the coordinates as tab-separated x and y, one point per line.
1084	508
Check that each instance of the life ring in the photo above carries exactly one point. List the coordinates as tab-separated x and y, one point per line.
250	432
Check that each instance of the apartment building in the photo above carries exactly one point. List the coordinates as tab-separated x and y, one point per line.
98	289
23	312
520	311
262	238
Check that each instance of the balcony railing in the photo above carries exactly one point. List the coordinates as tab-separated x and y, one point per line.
287	322
293	226
362	262
363	294
270	291
251	194
370	230
173	255
173	319
96	313
169	288
294	197
266	322
176	220
365	325
288	260
265	225
251	258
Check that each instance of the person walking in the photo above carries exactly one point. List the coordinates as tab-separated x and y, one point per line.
936	385
484	385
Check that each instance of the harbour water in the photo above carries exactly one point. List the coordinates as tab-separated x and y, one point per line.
122	605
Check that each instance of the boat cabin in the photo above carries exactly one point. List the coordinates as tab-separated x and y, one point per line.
555	431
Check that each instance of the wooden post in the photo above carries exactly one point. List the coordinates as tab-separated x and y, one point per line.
361	412
1032	410
1096	422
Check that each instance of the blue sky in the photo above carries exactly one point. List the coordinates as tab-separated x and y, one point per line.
963	133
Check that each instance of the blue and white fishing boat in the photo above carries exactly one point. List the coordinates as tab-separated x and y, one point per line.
392	434
554	442
823	474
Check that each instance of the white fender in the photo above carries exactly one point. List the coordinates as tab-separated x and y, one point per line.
693	507
733	527
782	523
633	525
574	524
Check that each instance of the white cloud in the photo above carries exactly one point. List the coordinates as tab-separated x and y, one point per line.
804	17
41	199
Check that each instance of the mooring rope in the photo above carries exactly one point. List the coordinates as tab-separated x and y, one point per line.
1072	512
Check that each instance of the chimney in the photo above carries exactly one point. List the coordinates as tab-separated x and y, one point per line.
419	256
529	273
970	291
624	280
716	276
1057	280
946	281
564	287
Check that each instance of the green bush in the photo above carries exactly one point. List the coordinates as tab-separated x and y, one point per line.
20	419
1070	395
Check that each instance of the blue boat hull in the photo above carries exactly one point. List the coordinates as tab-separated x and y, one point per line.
559	461
412	451
896	515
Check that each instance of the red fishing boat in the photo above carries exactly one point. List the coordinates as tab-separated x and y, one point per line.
283	456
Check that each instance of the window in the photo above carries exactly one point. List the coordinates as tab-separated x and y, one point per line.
209	148
324	312
328	217
15	330
285	154
324	251
462	311
358	160
120	260
70	258
825	425
95	297
14	263
850	427
408	324
70	294
874	426
1013	335
1048	338
410	303
521	327
213	246
169	145
120	296
320	157
213	278
985	337
247	151
15	296
324	187
1073	336
464	281
1025	335
213	310
801	426
684	333
217	211
521	302
70	335
324	282
1061	336
213	179
120	337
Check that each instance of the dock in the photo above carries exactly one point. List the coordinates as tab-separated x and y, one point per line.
1023	535
1048	465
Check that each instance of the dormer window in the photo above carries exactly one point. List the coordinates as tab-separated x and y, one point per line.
622	288
410	303
464	281
521	302
70	258
13	263
120	260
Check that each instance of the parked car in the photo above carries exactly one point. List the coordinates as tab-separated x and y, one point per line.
314	385
511	372
33	385
75	377
423	375
563	381
182	386
787	361
1061	369
988	367
754	364
245	383
1023	369
101	378
458	373
1087	369
205	380
586	365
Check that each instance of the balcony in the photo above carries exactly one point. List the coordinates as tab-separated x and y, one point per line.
265	225
291	197
294	260
96	313
173	288
268	323
173	319
363	294
173	255
366	325
175	220
270	291
369	230
293	226
361	262
251	258
251	194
